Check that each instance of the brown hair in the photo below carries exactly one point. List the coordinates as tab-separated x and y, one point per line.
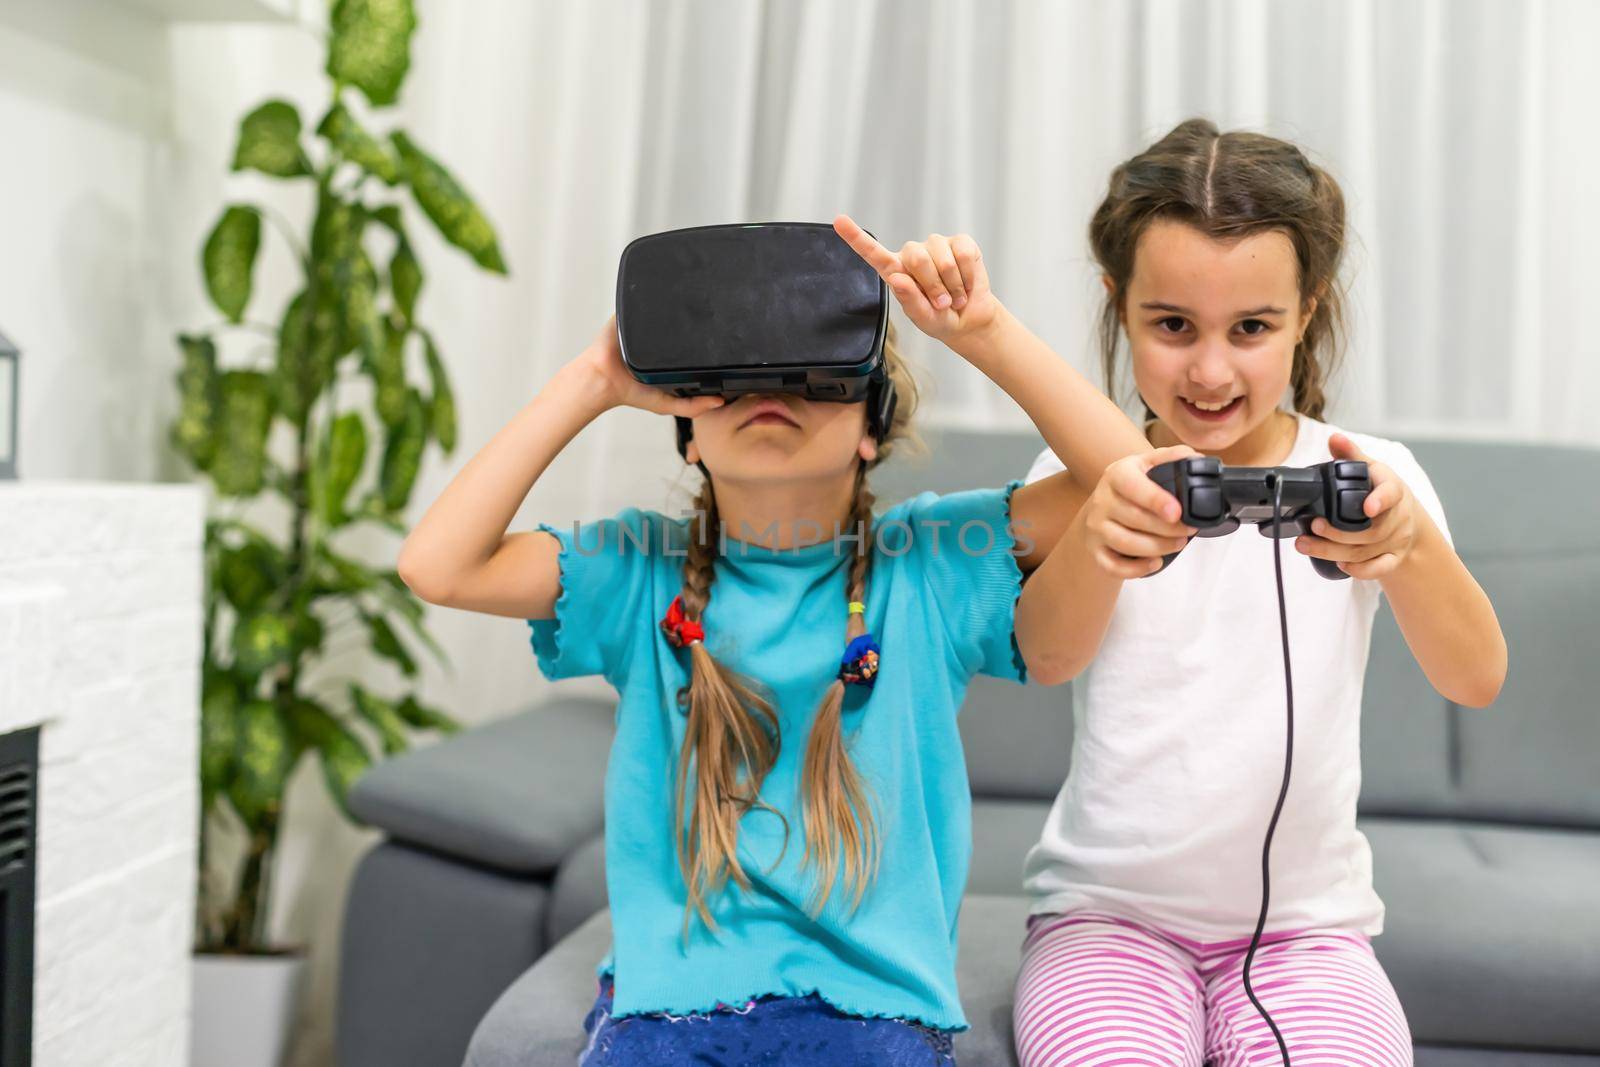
1229	186
731	740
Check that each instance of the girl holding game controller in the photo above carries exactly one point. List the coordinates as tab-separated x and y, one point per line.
1220	255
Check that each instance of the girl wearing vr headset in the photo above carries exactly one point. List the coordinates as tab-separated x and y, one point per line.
1220	254
788	832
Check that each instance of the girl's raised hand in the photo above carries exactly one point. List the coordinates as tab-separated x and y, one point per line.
1130	522
603	359
941	283
1381	547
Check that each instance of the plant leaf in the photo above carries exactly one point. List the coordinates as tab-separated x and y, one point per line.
370	46
237	466
250	573
200	401
263	759
219	734
334	234
405	278
389	215
353	142
421	633
387	644
339	574
383	717
305	632
358	279
345	448
261	641
442	409
269	141
372	509
345	278
344	758
402	454
229	259
388	373
426	718
307	339
444	201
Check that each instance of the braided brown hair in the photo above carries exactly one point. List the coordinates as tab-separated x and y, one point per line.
731	741
1229	186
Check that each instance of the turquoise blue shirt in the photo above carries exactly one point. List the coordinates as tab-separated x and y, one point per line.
941	597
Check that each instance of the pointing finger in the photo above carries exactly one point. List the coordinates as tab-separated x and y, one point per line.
867	247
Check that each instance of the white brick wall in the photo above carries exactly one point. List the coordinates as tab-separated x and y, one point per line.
100	616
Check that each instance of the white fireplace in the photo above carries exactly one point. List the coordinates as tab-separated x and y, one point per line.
100	646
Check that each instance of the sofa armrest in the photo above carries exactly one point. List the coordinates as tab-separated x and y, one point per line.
517	794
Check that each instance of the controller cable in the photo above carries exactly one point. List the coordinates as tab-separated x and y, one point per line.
1288	759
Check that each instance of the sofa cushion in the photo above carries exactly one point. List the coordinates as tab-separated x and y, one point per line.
427	946
1500	986
517	794
986	972
1531	756
1002	833
538	1021
579	889
1493	934
1017	738
1534	755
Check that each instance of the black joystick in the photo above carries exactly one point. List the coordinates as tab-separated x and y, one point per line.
1217	499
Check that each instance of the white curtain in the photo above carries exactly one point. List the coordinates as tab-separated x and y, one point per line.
1455	127
1461	130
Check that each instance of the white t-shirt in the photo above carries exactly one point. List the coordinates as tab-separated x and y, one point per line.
1178	751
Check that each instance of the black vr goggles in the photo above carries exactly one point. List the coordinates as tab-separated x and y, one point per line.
780	307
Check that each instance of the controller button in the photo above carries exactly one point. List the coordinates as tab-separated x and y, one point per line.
1350	501
1201	465
1350	468
1205	502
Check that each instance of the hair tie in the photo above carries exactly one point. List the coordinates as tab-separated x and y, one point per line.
860	663
681	631
857	608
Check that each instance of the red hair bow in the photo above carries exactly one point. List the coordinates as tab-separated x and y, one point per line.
679	630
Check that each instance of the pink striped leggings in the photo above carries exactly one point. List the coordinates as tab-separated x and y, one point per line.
1100	990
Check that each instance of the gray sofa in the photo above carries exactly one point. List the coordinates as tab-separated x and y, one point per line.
472	931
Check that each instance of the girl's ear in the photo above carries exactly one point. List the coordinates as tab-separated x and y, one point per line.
1305	318
1111	291
691	453
868	449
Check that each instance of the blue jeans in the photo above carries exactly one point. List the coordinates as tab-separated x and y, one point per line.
770	1031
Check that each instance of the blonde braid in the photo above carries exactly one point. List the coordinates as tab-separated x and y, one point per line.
839	827
730	742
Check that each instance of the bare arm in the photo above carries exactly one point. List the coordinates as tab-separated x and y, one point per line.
1444	615
1120	531
1080	423
943	287
1447	621
459	554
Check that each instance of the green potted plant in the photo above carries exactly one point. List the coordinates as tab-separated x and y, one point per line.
347	363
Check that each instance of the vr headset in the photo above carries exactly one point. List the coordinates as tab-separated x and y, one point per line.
780	307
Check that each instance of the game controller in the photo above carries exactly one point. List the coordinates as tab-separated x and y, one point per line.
1218	499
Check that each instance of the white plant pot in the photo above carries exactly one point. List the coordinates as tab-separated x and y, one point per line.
244	1009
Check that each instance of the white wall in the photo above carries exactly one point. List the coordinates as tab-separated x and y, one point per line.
85	158
100	607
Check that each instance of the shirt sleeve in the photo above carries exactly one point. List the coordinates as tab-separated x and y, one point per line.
1403	463
606	596
1043	467
965	547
